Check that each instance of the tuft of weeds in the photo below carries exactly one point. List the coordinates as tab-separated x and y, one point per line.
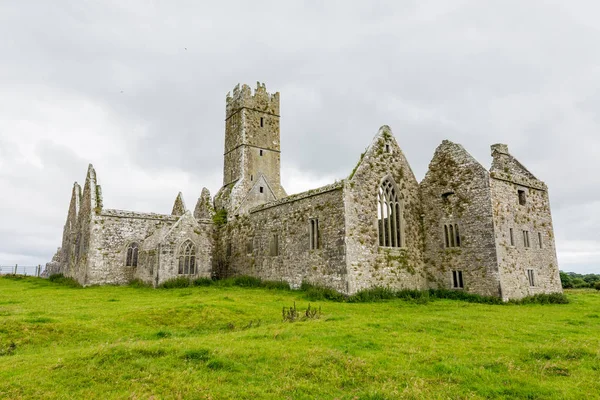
291	314
203	282
543	298
175	283
8	350
314	293
138	283
63	280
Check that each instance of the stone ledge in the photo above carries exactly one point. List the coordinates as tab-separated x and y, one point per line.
138	215
295	197
519	180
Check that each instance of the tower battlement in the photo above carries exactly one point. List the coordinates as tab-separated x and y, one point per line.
258	99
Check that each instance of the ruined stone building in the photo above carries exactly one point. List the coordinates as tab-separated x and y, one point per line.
464	227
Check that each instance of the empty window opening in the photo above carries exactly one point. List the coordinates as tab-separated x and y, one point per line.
512	237
314	233
132	255
451	235
531	277
457	280
187	258
260	152
526	238
540	239
261	189
446	236
389	215
251	177
274	245
522	197
262	122
250	246
387	148
446	196
228	250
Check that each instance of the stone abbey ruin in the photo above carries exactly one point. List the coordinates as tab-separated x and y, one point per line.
462	227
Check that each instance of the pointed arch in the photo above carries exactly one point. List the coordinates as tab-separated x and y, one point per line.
132	255
187	258
389	214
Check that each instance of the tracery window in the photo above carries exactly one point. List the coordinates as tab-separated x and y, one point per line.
389	215
187	258
132	255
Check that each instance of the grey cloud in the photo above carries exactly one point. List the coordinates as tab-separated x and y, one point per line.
474	72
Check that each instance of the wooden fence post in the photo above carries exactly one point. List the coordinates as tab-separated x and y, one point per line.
15	269
37	272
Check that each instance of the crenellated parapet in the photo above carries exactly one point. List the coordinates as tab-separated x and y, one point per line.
258	99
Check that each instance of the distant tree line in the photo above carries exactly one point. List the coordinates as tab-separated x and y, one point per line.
574	280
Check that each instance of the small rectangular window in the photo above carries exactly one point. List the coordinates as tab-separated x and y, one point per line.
260	152
531	277
387	148
522	197
274	245
512	237
457	280
540	240
526	238
314	233
262	122
261	189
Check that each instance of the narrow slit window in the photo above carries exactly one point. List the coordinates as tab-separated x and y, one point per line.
387	148
457	280
389	215
260	152
262	122
512	237
446	237
457	235
540	240
526	238
531	277
314	233
274	245
522	197
250	246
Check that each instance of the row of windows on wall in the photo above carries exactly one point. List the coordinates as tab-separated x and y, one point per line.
186	257
458	282
526	240
274	249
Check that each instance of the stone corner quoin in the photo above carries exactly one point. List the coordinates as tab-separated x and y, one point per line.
463	227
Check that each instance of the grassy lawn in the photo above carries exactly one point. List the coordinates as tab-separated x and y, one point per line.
230	342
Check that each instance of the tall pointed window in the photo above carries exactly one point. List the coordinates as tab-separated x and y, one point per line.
187	258
389	215
132	255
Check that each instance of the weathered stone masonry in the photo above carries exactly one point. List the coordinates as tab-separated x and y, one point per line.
462	228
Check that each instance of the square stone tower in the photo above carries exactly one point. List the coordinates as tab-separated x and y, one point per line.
251	173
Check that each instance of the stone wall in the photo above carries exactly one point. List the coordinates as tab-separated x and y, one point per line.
247	244
369	264
112	233
508	177
455	191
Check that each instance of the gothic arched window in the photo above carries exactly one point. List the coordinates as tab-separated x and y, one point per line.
187	258
132	255
389	215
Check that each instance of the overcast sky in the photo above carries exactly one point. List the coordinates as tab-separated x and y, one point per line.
138	89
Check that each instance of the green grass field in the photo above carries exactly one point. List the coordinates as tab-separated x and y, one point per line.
230	342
